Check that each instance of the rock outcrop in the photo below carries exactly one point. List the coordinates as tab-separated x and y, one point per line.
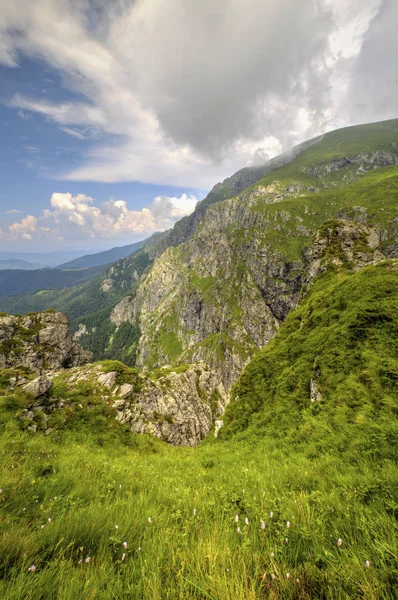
177	406
39	342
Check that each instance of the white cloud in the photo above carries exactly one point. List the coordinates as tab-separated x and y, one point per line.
72	132
13	211
190	90
77	218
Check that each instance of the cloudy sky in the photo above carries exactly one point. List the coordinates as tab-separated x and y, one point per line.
116	116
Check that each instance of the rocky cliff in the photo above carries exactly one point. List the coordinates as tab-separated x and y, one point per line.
221	296
39	342
179	406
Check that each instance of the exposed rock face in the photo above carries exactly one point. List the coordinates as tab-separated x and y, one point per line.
40	341
38	387
340	242
179	407
354	166
223	296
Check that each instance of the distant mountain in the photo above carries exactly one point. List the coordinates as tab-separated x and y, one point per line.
39	260
15	263
102	258
14	282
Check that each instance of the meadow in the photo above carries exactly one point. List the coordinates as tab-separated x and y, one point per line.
296	499
109	515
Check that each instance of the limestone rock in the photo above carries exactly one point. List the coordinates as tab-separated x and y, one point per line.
108	379
38	387
179	407
39	341
315	394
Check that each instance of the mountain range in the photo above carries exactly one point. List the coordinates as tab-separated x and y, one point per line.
216	414
217	286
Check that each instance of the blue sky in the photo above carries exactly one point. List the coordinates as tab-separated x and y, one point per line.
35	152
117	116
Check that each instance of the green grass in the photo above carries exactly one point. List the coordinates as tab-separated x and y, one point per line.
328	468
344	336
88	488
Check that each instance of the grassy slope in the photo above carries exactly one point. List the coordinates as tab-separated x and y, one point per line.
344	336
327	468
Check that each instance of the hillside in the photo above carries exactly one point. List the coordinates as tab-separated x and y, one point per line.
15	263
295	499
102	258
13	282
221	294
328	381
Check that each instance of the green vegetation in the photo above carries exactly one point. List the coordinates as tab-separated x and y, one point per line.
316	481
23	281
344	337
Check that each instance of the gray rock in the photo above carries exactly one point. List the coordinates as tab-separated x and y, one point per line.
179	408
40	341
107	379
38	387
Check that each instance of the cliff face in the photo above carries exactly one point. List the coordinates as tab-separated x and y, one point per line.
223	295
41	341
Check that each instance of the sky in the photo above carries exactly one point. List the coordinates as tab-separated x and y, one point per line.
117	116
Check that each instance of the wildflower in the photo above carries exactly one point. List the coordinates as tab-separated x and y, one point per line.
123	555
247	521
116	526
139	549
286	540
297	580
32	568
194	512
238	530
271	514
42	526
1	491
288	524
287	575
80	562
272	554
87	559
367	564
125	545
236	518
272	576
339	542
262	525
149	520
49	519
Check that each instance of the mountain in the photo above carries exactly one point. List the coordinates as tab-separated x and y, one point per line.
266	323
15	263
222	294
14	282
102	258
41	260
218	286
